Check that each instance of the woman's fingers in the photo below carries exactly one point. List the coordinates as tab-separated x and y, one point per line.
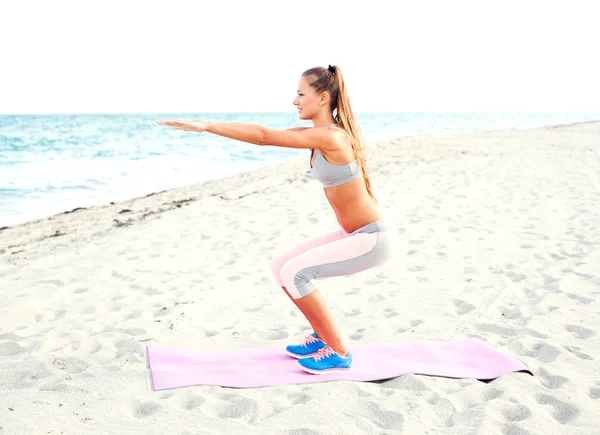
178	125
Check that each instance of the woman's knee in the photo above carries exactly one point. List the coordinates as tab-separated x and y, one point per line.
297	279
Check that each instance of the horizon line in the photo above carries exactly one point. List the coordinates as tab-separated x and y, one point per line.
294	112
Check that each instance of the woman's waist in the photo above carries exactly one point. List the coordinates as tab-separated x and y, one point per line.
377	226
354	219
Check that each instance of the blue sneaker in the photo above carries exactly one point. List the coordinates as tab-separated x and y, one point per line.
309	347
326	361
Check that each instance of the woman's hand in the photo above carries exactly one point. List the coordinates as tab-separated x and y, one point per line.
197	126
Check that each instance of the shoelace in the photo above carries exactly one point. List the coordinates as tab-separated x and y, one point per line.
308	340
324	352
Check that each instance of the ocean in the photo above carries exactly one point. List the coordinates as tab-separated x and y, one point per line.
54	163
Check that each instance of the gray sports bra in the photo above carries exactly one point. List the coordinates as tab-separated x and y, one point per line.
331	174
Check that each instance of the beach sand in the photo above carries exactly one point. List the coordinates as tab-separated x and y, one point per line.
500	240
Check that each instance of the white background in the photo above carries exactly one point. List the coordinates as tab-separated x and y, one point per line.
192	56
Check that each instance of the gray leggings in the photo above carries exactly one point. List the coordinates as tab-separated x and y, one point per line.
334	254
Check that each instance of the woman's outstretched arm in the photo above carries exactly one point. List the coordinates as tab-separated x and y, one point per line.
258	135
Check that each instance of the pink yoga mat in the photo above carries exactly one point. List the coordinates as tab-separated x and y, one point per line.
173	367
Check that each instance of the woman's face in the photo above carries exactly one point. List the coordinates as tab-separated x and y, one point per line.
307	101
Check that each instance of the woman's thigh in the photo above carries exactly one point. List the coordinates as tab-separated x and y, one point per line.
279	260
341	257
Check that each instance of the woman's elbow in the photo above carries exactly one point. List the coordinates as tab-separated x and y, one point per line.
263	137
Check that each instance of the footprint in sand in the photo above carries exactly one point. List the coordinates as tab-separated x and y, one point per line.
149	291
462	307
389	312
354	312
515	277
163	311
562	412
145	409
515	412
69	364
545	353
581	299
442	407
511	429
580	332
358	335
120	276
193	403
9	348
67	389
416	322
513	313
375	297
254	309
372	414
550	381
232	406
299	398
492	394
134	315
575	351
129	347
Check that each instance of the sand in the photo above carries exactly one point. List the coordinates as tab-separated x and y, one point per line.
500	240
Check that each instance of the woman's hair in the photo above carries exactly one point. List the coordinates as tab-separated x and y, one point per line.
331	80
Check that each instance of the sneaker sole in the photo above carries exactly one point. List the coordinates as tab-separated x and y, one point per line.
322	372
300	356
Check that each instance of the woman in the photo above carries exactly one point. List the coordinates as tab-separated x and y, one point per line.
365	239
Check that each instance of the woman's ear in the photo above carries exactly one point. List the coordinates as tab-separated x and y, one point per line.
324	98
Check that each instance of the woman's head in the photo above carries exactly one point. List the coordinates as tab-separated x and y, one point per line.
323	89
318	91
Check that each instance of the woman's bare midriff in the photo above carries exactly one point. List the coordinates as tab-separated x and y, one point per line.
352	205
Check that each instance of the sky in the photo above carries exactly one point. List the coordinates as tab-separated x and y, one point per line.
247	56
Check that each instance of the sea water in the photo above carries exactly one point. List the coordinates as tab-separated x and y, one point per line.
54	163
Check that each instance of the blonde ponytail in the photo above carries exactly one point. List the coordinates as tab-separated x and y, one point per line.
331	80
